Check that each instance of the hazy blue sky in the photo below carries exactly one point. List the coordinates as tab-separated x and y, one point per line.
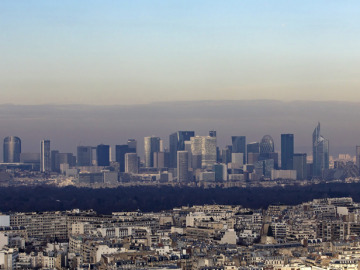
126	52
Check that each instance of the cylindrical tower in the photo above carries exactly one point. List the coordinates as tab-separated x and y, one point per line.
12	149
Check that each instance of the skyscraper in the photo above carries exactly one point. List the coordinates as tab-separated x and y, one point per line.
196	151
203	151
151	145
132	143
161	160
320	152
208	151
226	154
239	146
212	133
182	166
131	163
177	143
266	145
358	156
12	149
300	166
45	156
287	151
57	159
84	155
120	151
103	155
253	152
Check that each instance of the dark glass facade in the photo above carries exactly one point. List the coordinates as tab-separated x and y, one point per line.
177	143
103	155
287	151
239	145
120	151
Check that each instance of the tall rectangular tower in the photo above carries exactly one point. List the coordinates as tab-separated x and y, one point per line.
320	153
103	155
84	155
300	166
182	166
287	151
151	145
120	151
239	145
177	143
358	156
45	156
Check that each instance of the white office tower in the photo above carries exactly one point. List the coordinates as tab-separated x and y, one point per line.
161	146
151	145
183	166
208	155
45	160
203	150
131	163
196	144
237	160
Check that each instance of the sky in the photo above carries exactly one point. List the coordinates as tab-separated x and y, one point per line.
138	52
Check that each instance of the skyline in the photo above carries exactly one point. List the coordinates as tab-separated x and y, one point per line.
93	125
137	52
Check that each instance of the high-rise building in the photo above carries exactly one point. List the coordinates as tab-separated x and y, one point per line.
208	151
358	156
151	145
203	151
161	160
84	155
45	156
12	149
287	151
266	145
264	167
131	163
182	166
132	143
212	133
188	148
220	171
252	148
196	151
300	166
320	152
177	143
226	155
237	160
120	151
103	155
58	158
239	145
253	157
53	154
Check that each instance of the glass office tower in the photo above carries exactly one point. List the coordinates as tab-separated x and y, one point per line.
287	151
320	153
12	149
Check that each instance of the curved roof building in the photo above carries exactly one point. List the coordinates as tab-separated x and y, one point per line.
266	145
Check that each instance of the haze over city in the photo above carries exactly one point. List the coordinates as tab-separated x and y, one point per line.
71	125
